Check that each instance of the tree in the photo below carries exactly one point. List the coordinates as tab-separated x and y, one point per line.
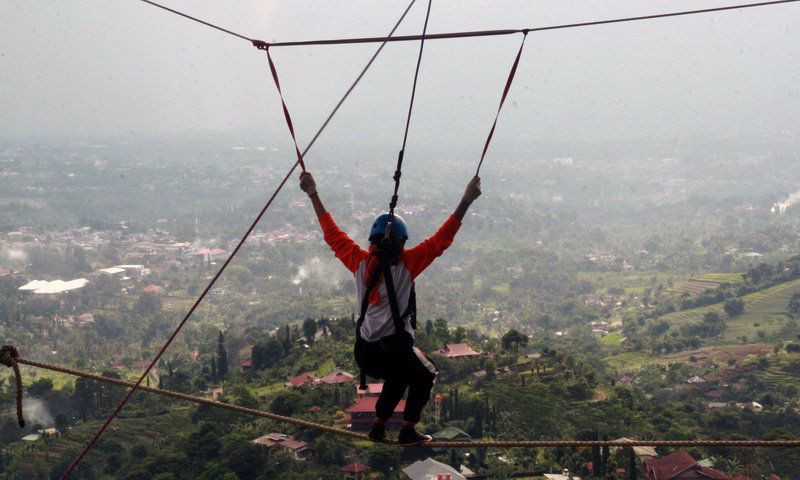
148	303
383	459
330	451
257	357
309	329
513	340
222	356
40	387
794	305
734	306
273	352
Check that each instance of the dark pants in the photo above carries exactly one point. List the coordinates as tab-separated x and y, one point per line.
401	365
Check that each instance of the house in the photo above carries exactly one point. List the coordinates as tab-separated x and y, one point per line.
354	471
301	451
696	380
246	366
363	412
299	380
641	452
336	378
213	393
431	469
451	434
155	289
457	350
373	390
679	465
565	475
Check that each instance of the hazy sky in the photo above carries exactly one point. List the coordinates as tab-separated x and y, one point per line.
100	67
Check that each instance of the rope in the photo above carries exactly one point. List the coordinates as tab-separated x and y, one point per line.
261	45
488	33
198	20
478	33
509	81
230	258
9	356
361	436
398	172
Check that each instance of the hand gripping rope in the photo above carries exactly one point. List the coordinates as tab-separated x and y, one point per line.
10	352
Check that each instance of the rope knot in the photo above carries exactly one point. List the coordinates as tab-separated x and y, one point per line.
525	31
261	45
8	357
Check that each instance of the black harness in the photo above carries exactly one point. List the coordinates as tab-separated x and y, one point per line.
385	259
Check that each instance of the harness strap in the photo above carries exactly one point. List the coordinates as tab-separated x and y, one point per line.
399	328
286	115
383	267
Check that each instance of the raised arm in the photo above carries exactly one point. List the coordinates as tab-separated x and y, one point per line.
472	192
343	246
308	185
418	258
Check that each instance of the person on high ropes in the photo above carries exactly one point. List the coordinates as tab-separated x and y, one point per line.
384	338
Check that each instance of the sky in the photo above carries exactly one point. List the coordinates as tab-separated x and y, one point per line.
93	68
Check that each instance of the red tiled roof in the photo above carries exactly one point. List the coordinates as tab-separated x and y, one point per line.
372	388
246	363
670	466
354	468
674	465
336	377
457	350
301	379
367	405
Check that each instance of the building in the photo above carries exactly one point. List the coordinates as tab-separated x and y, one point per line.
457	350
336	378
300	380
362	413
679	465
451	434
641	452
373	390
354	471
431	469
301	451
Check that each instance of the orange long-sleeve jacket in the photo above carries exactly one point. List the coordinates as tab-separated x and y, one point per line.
378	322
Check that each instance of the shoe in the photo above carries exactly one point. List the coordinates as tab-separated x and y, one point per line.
378	432
409	437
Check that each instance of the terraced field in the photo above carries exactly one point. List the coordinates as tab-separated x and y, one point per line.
732	278
695	287
628	360
764	311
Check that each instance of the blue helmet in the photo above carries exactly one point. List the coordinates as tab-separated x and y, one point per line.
398	230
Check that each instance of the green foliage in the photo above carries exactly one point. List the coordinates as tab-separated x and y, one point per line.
514	340
734	306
